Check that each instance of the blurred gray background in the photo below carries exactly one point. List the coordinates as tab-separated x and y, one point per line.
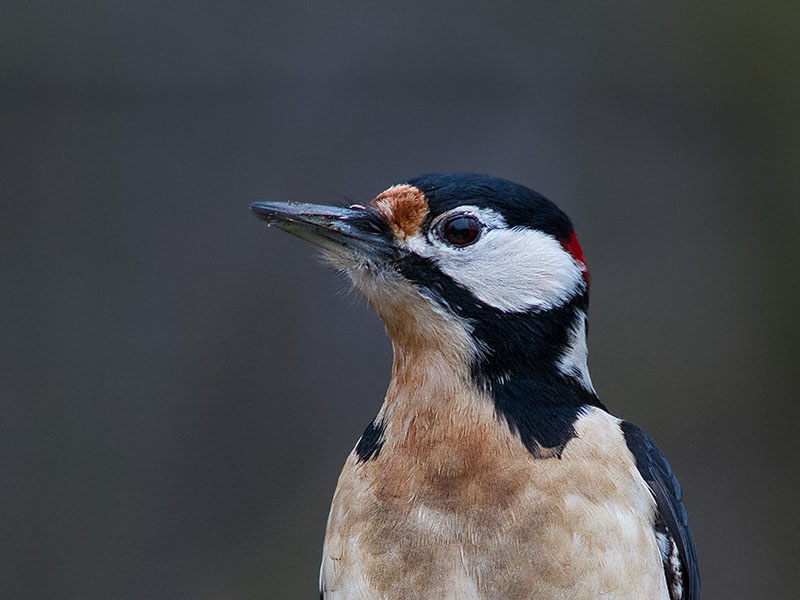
179	386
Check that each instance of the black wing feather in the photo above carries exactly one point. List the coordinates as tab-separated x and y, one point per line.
655	470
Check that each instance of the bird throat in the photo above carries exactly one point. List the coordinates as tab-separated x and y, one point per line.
523	366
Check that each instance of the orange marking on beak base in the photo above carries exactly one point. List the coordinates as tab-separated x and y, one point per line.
404	208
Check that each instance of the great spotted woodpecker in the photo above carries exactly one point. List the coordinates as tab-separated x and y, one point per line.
492	471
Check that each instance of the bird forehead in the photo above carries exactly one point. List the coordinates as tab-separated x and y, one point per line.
404	207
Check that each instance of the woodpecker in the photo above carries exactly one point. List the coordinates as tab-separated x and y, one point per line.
492	471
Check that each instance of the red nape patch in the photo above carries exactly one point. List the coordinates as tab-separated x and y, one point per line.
573	246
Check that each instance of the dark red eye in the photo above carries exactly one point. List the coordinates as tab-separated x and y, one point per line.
460	230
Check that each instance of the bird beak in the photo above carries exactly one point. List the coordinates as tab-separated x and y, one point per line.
330	227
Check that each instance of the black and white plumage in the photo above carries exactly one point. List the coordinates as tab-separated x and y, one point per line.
673	533
492	470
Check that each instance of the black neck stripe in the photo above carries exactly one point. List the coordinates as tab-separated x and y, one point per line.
518	362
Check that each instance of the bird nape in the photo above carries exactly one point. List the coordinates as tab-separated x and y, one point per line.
492	470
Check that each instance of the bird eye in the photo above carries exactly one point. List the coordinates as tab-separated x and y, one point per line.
460	230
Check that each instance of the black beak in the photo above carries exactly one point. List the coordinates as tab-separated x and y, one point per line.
330	227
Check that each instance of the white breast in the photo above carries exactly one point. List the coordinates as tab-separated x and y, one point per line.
471	521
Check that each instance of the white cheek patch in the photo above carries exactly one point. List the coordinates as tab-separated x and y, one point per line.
513	270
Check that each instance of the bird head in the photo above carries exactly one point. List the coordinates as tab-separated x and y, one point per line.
482	270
